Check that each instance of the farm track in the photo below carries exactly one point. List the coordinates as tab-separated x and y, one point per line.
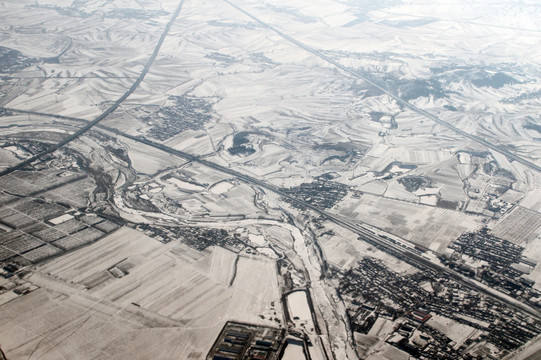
110	110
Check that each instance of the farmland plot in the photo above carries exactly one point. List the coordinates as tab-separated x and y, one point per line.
431	227
129	268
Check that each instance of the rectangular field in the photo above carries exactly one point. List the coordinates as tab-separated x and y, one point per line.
217	285
128	295
428	226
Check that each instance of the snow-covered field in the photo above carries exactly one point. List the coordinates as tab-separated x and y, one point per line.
284	102
128	284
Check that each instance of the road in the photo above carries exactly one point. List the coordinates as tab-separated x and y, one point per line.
362	230
357	227
384	90
393	248
299	44
107	112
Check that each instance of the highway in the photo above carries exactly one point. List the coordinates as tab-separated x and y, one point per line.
107	112
384	90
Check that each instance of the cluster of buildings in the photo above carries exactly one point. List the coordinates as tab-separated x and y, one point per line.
494	261
372	291
198	238
240	341
323	193
423	342
186	113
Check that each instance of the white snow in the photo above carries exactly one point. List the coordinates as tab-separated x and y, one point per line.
293	352
61	219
